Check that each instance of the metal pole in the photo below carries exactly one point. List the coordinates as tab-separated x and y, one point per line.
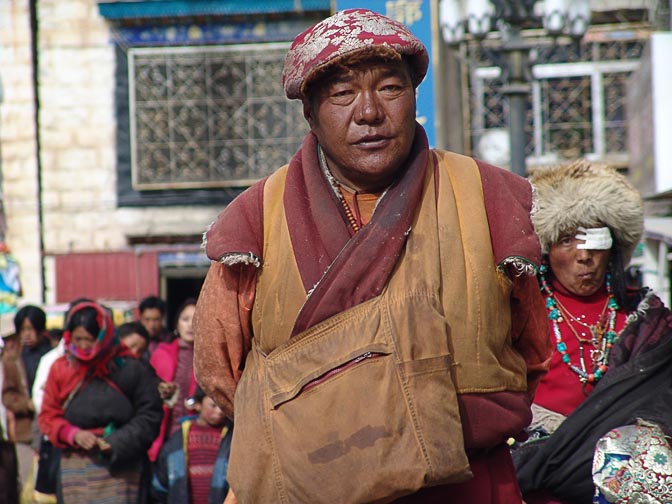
517	88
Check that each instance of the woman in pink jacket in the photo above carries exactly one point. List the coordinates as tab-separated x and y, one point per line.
174	364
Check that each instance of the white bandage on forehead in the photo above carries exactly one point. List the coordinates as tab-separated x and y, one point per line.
595	238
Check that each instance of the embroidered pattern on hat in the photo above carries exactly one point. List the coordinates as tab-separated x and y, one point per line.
347	31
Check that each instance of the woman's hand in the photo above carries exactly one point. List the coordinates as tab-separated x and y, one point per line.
85	439
169	393
167	389
104	446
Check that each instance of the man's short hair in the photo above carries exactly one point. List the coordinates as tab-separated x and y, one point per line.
152	302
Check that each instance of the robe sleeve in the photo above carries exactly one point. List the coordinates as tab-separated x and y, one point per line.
223	330
14	394
530	329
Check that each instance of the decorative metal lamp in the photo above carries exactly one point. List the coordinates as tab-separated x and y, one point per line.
479	17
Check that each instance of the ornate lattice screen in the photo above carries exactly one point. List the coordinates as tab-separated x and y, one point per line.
576	106
210	116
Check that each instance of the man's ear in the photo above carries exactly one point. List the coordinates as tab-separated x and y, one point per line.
307	111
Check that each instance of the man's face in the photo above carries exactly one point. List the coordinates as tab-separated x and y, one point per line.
152	319
364	120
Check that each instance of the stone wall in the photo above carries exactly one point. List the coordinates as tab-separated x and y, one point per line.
18	148
77	135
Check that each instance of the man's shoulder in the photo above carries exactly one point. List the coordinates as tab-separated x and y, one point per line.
446	157
488	172
250	201
508	203
238	228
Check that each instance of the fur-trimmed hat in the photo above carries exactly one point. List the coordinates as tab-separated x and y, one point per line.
588	195
343	33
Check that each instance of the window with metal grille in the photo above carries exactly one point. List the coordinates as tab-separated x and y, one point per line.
576	106
209	117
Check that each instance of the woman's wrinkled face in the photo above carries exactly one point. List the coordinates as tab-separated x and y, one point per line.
82	339
581	272
364	120
184	328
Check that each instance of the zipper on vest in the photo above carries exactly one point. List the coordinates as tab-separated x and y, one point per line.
340	369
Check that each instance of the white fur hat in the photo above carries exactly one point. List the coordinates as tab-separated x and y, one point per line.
589	195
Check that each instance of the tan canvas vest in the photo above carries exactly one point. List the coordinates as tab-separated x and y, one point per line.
362	407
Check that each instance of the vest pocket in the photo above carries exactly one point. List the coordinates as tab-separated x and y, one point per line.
342	368
345	435
285	384
338	417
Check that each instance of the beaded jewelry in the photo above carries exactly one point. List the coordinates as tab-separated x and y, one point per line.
602	340
354	222
591	328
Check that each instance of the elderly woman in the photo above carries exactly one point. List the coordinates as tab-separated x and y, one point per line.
589	220
101	406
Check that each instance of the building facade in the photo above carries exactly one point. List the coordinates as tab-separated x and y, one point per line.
126	126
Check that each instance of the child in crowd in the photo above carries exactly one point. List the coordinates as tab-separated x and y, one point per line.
193	463
135	336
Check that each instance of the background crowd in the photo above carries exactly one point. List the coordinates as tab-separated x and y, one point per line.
87	409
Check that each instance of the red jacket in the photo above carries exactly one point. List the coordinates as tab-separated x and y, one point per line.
126	399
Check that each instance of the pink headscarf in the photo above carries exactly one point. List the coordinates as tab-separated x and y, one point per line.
107	346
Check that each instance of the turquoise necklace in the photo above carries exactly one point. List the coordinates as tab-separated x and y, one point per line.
602	341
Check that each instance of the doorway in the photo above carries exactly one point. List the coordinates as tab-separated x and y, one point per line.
178	285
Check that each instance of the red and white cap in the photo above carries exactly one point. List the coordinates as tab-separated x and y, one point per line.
345	32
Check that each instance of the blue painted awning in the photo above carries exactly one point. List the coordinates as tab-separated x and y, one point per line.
125	9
